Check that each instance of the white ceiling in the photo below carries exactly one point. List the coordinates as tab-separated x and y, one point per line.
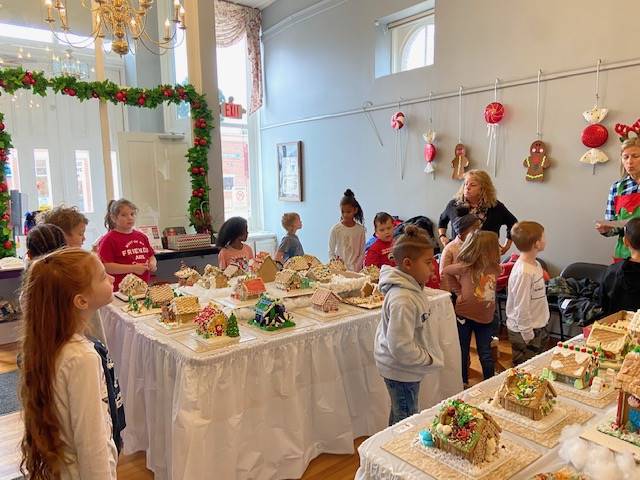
255	3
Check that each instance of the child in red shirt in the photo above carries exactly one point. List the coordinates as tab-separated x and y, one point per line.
379	253
123	249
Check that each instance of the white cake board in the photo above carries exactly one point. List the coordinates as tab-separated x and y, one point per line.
278	293
168	328
367	306
196	343
125	298
142	313
557	415
233	303
301	323
343	311
592	434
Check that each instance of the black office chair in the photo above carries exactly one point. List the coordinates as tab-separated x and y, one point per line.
578	271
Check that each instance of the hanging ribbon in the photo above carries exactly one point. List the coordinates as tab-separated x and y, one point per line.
429	137
459	167
493	114
538	132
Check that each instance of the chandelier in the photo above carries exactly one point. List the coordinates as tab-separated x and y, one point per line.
120	20
69	66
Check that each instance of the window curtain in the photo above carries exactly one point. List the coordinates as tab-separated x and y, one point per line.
232	22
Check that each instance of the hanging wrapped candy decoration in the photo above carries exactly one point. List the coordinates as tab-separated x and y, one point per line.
397	120
429	137
595	134
493	115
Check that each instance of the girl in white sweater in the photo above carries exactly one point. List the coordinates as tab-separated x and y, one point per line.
68	432
346	239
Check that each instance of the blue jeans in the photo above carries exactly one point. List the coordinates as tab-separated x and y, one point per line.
483	332
404	399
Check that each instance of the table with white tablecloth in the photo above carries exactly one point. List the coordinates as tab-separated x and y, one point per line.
378	464
261	409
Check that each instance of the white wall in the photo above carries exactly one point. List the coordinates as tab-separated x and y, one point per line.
325	64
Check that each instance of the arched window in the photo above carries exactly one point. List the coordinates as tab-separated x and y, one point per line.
413	44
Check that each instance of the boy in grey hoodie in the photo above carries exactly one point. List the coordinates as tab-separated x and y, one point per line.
405	348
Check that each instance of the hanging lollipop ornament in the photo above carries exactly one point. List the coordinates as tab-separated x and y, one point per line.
595	134
366	112
429	137
398	123
493	114
460	160
537	161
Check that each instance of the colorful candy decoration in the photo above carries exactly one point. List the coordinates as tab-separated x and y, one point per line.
430	151
429	137
493	114
460	162
398	122
593	136
537	161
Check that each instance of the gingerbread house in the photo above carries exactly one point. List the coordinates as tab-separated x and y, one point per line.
264	267
291	280
572	365
373	271
187	277
324	300
297	263
611	342
526	394
271	314
319	273
248	288
181	310
233	270
132	285
213	277
367	290
627	383
465	431
213	322
634	327
160	294
337	265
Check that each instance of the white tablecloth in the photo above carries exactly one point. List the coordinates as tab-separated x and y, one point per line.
263	409
375	463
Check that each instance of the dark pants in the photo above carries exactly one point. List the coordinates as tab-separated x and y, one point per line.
404	399
522	351
483	333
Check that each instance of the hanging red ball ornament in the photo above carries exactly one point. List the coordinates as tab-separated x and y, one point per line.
494	112
595	135
1	127
3	187
8	245
141	101
121	96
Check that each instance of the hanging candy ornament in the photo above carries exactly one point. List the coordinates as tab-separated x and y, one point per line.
429	137
398	122
460	160
595	134
537	161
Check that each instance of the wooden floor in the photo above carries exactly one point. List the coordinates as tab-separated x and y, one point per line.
132	467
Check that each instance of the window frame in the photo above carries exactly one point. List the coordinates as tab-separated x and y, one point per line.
403	31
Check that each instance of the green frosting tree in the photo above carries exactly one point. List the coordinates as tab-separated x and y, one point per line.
232	326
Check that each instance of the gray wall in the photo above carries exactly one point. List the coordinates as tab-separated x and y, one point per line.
325	64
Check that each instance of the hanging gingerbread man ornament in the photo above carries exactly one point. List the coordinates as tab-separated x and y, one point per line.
537	161
460	162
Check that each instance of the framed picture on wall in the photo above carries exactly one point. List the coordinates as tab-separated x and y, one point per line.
290	171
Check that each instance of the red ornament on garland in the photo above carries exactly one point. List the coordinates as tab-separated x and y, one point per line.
8	245
121	96
494	112
1	127
3	187
141	101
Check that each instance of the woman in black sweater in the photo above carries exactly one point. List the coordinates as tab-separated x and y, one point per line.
478	194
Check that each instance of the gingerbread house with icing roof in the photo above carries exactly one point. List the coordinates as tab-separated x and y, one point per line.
187	276
132	285
319	273
248	289
264	267
611	342
324	300
572	365
161	294
526	394
373	271
181	310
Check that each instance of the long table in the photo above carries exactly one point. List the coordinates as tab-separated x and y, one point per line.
378	464
261	409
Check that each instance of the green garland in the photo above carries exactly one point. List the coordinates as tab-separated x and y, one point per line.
12	79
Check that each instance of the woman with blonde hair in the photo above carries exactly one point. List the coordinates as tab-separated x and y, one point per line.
478	194
623	202
473	280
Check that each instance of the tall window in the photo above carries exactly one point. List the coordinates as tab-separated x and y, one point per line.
412	42
83	174
232	82
43	177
